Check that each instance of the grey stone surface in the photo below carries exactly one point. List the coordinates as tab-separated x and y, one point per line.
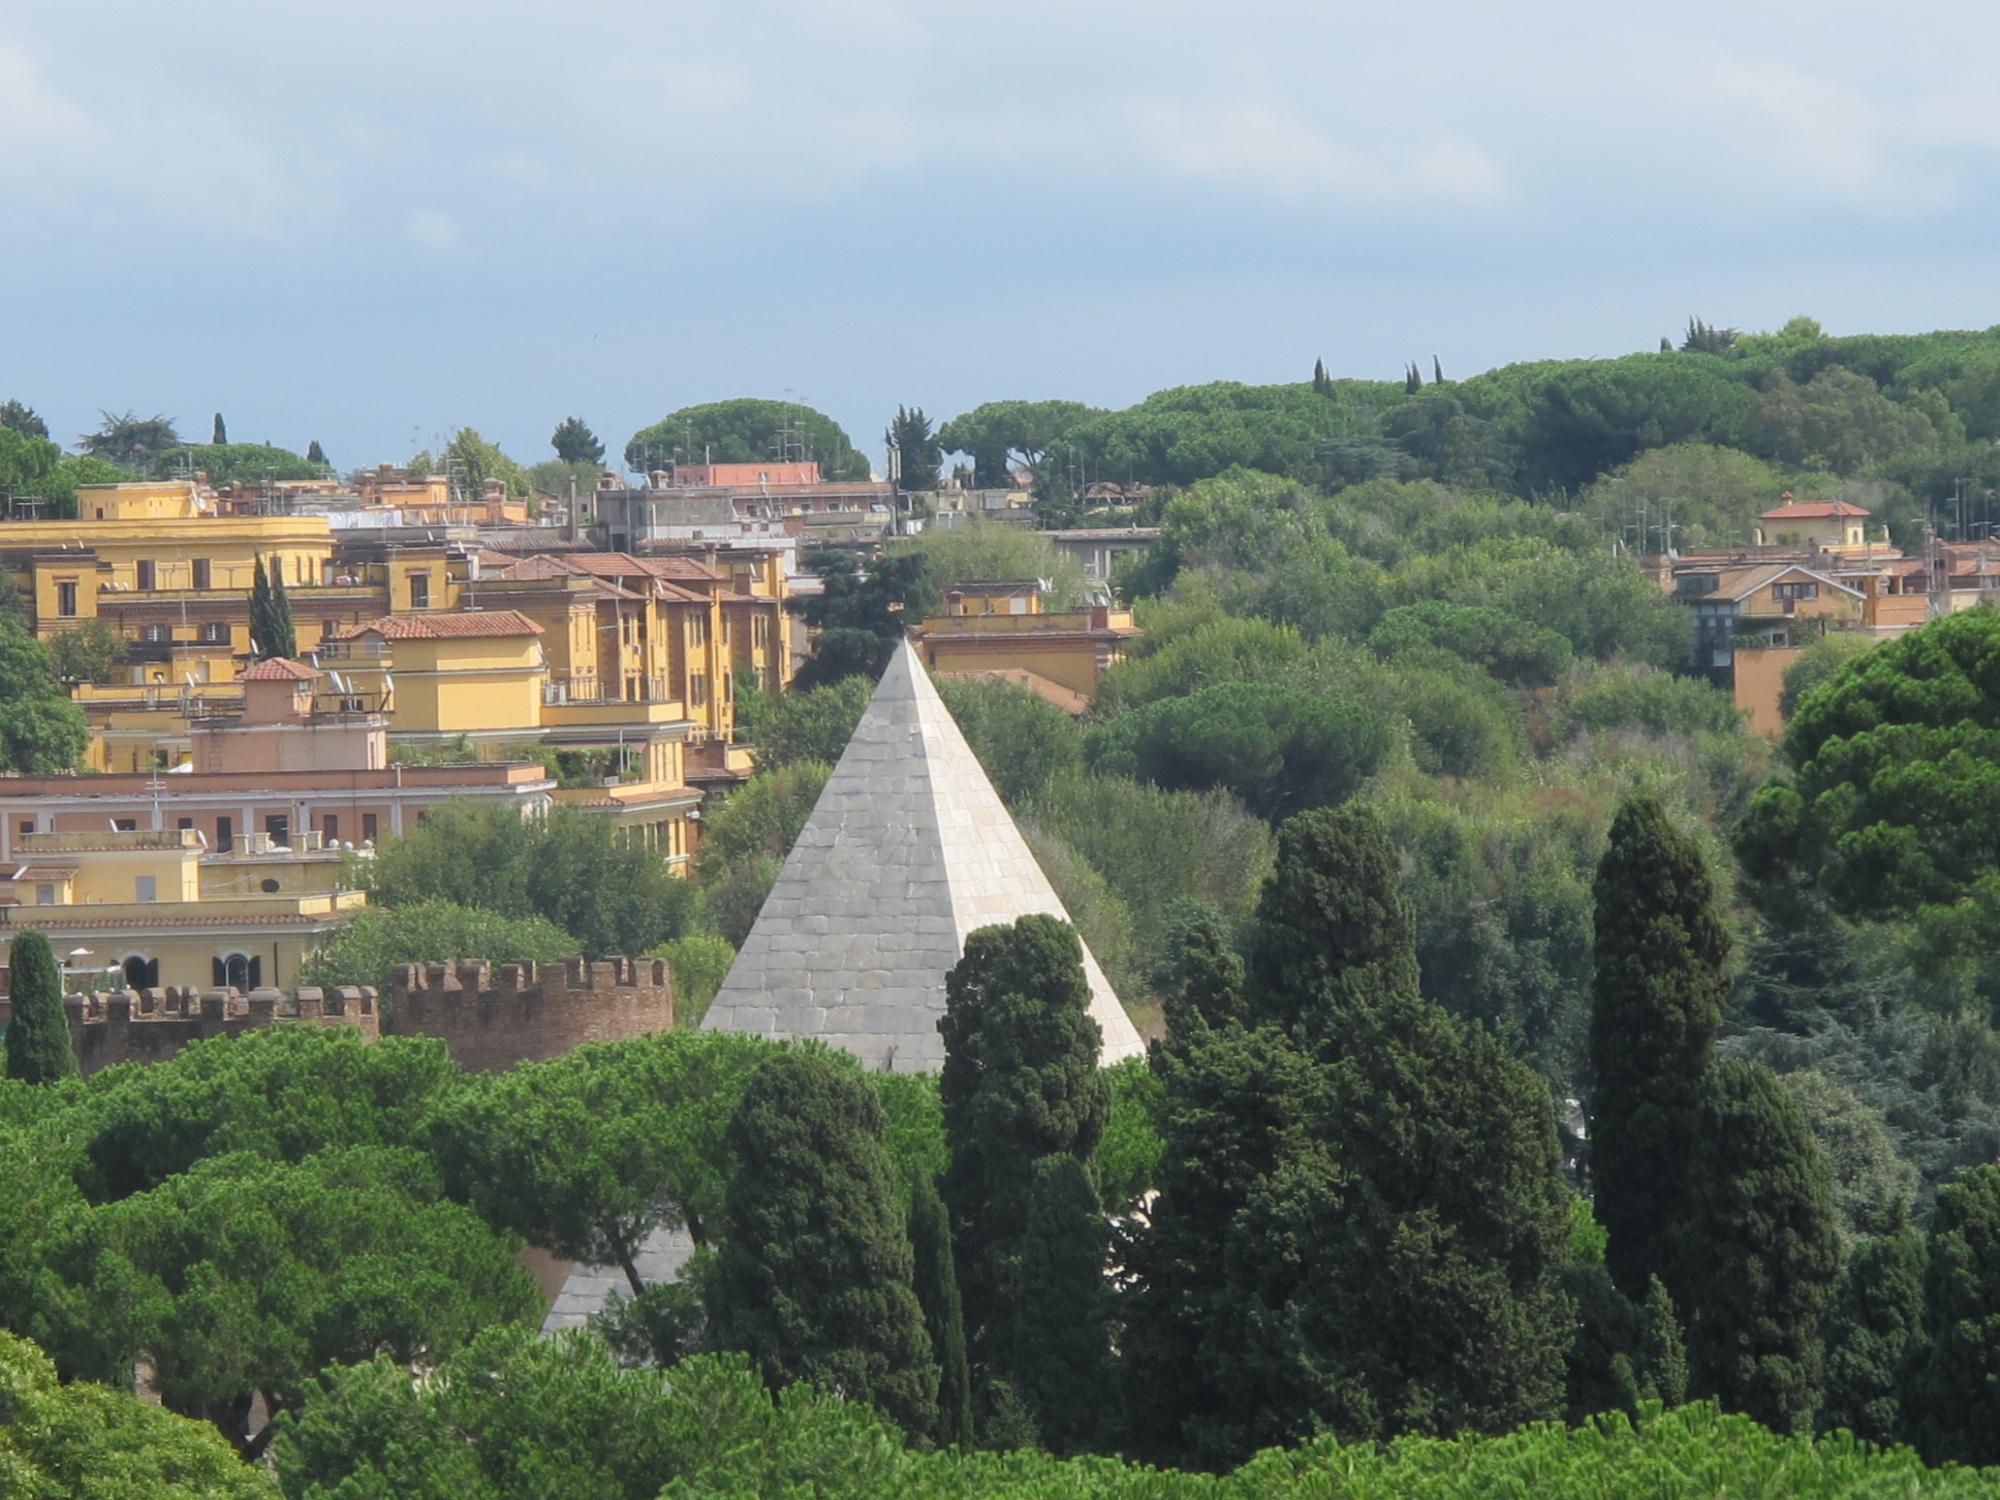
907	851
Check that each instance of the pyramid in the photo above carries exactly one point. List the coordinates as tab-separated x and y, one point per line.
907	851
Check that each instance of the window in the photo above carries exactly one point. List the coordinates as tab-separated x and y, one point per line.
201	573
215	632
420	591
697	630
126	825
141	973
145	575
45	895
239	971
1783	591
225	835
368	827
27	826
145	888
330	829
279	827
697	690
184	824
268	886
66	599
156	633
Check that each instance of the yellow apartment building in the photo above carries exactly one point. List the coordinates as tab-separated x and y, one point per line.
151	908
1000	629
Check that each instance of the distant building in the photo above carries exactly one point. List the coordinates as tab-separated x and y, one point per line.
1002	627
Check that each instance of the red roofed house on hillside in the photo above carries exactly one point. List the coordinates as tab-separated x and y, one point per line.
1827	525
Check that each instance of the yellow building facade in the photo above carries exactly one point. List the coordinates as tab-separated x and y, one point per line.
1000	629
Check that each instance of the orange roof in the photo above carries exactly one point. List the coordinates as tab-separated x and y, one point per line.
278	669
468	624
1813	510
686	569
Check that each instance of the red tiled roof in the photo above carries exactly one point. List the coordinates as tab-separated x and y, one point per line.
38	873
683	568
1813	510
468	624
57	917
278	669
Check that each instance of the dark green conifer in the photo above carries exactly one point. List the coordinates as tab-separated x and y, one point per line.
221	432
1757	1249
1437	370
1020	1082
1660	948
1953	1407
285	637
936	1280
314	453
1873	1331
1062	1346
260	609
39	1047
814	1276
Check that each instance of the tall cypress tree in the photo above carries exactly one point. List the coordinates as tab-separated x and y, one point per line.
814	1276
285	638
1953	1408
1660	949
1020	1082
39	1048
936	1280
260	610
1062	1344
1757	1249
221	433
315	454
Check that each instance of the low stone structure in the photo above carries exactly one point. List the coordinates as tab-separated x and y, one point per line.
151	1025
493	1016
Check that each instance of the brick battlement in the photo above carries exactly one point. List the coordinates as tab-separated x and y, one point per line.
153	1024
495	1015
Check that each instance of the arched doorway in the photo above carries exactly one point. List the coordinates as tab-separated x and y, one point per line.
141	973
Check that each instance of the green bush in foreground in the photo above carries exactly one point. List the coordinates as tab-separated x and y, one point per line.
515	1416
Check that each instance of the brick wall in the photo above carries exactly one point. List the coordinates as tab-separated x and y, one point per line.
493	1016
153	1024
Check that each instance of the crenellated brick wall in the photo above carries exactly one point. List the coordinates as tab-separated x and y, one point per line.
493	1016
153	1024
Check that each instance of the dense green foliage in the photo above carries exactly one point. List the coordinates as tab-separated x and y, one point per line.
567	868
1953	1409
237	463
934	1277
80	1441
743	431
1020	1083
367	947
814	1278
575	443
42	733
1659	990
38	1043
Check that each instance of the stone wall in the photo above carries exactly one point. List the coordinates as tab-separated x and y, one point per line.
493	1016
153	1024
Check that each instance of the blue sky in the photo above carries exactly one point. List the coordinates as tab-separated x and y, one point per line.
371	223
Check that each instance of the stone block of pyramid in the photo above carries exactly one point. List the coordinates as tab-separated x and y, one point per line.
906	852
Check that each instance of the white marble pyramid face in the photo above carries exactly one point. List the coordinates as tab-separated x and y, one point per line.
907	851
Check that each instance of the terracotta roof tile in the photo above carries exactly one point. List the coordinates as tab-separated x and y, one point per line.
465	625
278	669
1813	510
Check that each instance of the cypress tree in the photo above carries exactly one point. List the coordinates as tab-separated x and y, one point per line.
1660	948
1624	1352
1360	1217
814	1276
1333	938
221	433
39	1048
315	454
1873	1331
1953	1410
285	639
1062	1345
1210	993
1437	370
1663	1364
260	610
1758	1249
1020	1082
936	1280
